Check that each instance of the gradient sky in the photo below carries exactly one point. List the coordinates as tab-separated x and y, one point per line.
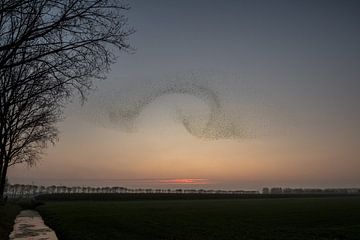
285	73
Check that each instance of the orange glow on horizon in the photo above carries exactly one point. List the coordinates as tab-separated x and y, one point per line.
185	181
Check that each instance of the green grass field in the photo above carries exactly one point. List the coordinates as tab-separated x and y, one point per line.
305	219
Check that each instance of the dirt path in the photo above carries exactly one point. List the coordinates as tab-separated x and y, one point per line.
30	226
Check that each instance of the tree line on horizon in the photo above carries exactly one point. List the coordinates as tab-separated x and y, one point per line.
30	190
279	190
16	190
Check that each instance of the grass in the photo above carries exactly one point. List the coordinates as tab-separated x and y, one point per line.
311	218
8	213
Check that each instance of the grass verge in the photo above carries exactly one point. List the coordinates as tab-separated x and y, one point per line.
8	213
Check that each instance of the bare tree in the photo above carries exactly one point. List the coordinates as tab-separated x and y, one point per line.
48	49
27	123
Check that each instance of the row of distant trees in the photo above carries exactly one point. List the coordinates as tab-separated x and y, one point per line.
27	190
279	190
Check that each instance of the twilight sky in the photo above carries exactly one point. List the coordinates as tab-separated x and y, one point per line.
225	94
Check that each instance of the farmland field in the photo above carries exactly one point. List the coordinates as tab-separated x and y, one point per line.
297	218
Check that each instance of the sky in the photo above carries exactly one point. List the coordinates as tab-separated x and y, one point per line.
220	94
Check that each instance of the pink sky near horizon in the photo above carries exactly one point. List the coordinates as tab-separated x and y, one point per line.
86	153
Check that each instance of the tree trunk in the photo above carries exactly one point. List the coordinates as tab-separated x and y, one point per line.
1	172
3	178
1	168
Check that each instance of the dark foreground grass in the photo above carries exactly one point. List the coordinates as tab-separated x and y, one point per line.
8	213
305	219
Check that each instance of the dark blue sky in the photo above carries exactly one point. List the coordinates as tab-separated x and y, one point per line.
300	54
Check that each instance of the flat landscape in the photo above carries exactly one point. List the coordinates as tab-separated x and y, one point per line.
287	218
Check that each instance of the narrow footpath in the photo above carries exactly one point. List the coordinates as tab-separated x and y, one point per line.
30	226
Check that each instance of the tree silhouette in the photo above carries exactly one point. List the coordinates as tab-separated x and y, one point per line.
50	49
